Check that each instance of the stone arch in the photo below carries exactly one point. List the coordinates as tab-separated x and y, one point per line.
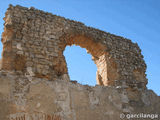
98	53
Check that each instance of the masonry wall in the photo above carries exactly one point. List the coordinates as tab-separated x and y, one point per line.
40	99
34	80
34	41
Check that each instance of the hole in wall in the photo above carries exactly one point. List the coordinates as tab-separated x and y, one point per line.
80	65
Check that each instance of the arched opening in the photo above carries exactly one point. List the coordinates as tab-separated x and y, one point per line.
95	49
80	65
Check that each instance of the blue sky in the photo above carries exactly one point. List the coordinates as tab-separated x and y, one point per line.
137	20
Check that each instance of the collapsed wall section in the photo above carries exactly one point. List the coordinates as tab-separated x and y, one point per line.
34	41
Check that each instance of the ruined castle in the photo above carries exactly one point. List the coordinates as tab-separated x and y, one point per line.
34	80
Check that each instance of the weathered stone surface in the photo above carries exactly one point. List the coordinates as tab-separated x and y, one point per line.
41	38
70	101
34	80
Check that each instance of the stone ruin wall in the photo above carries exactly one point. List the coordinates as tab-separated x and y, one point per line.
34	41
34	71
